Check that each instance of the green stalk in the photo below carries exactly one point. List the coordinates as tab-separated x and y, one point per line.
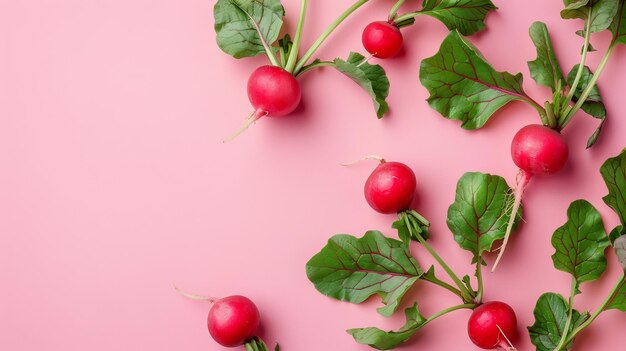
408	16
470	306
442	284
479	278
394	10
592	83
581	66
569	317
293	54
466	294
597	312
305	58
315	65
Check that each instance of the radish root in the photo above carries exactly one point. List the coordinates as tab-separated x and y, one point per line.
519	192
194	296
253	117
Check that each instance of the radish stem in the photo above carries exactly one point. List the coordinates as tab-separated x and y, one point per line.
305	58
519	192
293	54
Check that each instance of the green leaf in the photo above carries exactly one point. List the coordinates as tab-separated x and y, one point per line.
467	16
551	312
593	105
256	344
614	173
480	212
616	233
463	86
602	12
545	69
618	27
243	25
618	302
386	340
353	269
371	78
580	243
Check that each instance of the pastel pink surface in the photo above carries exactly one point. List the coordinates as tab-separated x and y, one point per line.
115	184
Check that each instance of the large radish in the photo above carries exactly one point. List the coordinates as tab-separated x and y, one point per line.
536	150
273	92
492	325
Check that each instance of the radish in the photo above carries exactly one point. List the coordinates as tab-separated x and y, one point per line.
232	321
382	39
273	92
391	187
536	150
492	325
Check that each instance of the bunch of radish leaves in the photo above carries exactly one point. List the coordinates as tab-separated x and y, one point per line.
464	86
580	246
353	269
247	28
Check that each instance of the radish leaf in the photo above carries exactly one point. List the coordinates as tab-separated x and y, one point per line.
551	312
614	173
480	212
383	340
602	12
620	250
618	302
593	105
618	27
353	269
545	69
467	16
580	243
463	86
247	28
371	78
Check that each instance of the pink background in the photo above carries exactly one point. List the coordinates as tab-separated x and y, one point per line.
115	184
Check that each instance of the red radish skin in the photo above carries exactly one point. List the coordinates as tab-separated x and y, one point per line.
536	150
233	320
492	325
390	188
273	92
382	39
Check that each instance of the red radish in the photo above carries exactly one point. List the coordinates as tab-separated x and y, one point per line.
535	149
492	325
232	320
382	39
273	92
390	188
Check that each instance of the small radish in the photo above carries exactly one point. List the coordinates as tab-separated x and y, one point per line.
536	150
492	325
390	188
273	92
382	39
233	321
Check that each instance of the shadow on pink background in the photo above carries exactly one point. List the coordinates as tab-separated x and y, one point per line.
115	184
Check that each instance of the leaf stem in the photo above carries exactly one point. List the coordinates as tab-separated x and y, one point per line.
315	65
479	278
408	16
569	316
268	50
305	58
597	312
592	83
466	295
433	279
394	10
581	66
293	54
470	306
